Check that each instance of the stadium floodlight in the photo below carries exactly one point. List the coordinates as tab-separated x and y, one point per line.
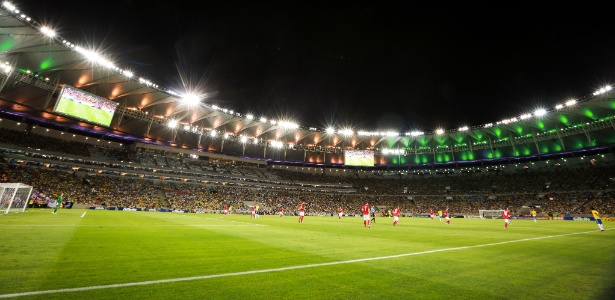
215	107
48	31
439	131
226	135
213	133
571	102
559	106
263	120
330	130
525	116
99	59
145	81
540	112
391	133
190	99
9	6
288	124
186	127
6	68
128	74
416	133
243	139
172	123
463	128
603	90
273	122
346	132
255	141
250	117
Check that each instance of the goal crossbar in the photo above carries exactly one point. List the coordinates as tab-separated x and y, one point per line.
490	213
14	197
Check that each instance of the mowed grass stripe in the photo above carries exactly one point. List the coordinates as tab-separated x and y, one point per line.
112	286
183	249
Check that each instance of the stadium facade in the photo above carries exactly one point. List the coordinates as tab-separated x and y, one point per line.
36	65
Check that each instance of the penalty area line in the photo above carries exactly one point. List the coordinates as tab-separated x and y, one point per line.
151	282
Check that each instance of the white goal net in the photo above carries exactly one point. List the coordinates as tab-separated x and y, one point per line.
14	197
490	213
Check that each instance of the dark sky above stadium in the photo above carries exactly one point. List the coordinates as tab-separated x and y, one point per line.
377	65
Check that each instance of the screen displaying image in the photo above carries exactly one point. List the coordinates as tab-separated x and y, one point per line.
76	103
363	158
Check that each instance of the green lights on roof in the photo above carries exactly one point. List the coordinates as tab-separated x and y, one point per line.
7	45
540	124
563	119
46	64
588	112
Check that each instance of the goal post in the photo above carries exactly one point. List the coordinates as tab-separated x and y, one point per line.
490	213
14	197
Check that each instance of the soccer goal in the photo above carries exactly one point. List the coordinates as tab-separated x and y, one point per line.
490	213
14	197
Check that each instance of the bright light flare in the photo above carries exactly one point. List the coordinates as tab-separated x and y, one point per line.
525	116
190	99
288	124
439	131
172	123
128	74
6	68
540	112
346	132
48	31
603	90
9	5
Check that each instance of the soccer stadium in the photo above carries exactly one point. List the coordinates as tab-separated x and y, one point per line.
116	187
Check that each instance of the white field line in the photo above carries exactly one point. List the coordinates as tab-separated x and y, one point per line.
151	282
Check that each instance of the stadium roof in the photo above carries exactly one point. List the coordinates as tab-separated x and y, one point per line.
37	63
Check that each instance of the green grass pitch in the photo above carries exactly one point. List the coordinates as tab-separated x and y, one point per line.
153	255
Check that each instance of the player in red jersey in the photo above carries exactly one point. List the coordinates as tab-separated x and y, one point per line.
431	214
446	216
281	211
301	212
366	219
340	212
253	215
506	217
396	212
225	209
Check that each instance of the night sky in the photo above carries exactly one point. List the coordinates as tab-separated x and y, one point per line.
391	65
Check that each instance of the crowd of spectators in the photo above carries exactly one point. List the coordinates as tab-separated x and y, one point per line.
119	191
555	190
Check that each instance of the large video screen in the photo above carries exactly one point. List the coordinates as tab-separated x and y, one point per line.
76	103
363	158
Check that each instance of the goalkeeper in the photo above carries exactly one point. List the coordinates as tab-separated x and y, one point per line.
58	203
